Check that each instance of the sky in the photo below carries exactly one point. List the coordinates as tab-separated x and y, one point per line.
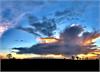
15	13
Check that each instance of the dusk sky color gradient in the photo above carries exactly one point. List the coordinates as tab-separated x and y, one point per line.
15	12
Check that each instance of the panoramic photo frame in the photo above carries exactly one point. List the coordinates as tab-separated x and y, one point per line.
49	29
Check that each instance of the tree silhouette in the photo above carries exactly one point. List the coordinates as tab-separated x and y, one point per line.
73	57
9	56
77	58
13	58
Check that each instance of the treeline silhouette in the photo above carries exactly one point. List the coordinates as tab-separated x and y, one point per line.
9	56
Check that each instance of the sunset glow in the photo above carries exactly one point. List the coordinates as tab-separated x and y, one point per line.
49	29
48	40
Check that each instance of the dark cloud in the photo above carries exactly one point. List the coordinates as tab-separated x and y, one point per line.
49	49
73	31
70	44
29	30
45	26
44	49
39	49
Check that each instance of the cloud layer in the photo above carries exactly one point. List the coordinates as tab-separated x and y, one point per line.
69	43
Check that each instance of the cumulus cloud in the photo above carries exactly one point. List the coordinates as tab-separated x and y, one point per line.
69	44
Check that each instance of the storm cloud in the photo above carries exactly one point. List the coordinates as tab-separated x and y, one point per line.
69	43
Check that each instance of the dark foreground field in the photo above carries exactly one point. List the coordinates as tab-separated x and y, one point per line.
49	65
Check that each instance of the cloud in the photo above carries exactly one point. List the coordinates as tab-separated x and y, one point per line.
5	26
11	10
76	10
29	30
70	43
45	26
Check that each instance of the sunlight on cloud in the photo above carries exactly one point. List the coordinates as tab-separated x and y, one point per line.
4	27
30	56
